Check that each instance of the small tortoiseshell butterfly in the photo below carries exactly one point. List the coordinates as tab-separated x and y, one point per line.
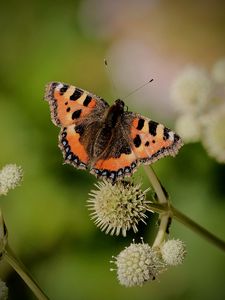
108	140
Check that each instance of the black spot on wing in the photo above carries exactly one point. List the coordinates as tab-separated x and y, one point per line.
125	149
68	109
79	129
76	114
64	133
152	127
147	144
112	175
87	100
64	89
166	133
127	170
64	142
133	165
76	94
141	123
120	172
176	138
105	173
137	141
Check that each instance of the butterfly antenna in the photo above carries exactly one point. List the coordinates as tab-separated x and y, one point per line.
113	86
138	88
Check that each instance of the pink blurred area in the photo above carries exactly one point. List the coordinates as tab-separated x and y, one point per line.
154	39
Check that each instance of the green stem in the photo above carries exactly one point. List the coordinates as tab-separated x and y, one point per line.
166	210
21	270
157	207
165	216
197	228
156	184
160	237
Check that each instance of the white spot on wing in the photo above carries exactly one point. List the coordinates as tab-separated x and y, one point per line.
171	135
59	86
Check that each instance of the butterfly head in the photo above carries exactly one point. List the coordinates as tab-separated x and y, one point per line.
119	105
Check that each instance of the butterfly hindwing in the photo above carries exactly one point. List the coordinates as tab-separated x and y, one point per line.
118	159
77	142
73	151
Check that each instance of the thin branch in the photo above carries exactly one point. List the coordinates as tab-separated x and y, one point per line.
21	270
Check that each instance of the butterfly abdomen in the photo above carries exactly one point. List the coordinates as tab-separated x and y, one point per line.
106	134
114	114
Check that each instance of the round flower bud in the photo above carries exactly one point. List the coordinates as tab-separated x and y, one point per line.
213	133
118	207
173	252
188	127
138	264
10	176
218	71
191	91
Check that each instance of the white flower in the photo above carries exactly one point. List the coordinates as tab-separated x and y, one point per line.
214	133
173	252
118	207
218	71
3	291
188	127
137	264
10	176
191	91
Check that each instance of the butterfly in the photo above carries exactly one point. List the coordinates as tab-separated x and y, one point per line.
109	140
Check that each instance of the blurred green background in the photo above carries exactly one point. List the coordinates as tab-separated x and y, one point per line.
47	218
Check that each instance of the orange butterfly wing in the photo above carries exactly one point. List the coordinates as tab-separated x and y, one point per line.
70	108
152	140
69	104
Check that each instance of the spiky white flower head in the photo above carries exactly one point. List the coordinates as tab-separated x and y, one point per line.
191	90
10	177
188	127
138	264
173	252
218	71
3	290
118	207
214	134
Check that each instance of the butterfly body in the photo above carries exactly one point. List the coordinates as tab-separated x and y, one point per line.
108	140
106	133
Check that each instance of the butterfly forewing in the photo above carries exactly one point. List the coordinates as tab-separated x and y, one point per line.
151	140
69	104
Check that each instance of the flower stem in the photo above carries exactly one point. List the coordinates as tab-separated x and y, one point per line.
21	270
157	207
162	198
156	184
179	216
160	237
170	211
